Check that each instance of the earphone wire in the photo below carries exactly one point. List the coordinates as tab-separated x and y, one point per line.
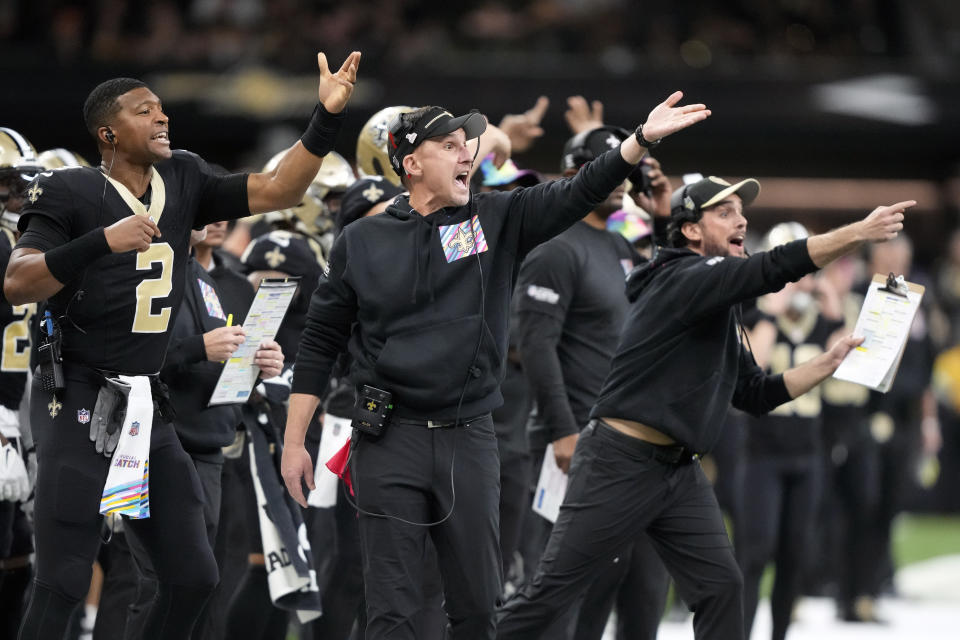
473	211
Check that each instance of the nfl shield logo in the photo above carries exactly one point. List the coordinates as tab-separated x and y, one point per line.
134	428
83	416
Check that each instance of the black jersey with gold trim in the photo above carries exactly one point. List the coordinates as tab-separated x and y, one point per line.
793	427
117	313
15	327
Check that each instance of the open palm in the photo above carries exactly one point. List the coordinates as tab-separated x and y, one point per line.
666	118
335	88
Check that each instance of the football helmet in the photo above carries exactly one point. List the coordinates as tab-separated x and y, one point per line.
372	157
783	233
59	158
18	167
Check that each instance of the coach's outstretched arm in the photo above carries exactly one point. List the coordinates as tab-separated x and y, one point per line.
285	185
880	225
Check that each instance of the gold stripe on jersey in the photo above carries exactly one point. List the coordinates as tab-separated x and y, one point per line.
158	197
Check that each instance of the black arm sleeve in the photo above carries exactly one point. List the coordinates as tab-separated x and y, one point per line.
716	283
540	212
332	312
223	198
539	336
758	393
183	352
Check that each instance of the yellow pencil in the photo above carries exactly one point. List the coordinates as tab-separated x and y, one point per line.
229	323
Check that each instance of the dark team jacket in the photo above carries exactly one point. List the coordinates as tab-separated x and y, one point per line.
680	362
120	308
571	304
426	329
15	332
190	376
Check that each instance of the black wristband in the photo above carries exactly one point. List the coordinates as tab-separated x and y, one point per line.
643	141
322	131
68	261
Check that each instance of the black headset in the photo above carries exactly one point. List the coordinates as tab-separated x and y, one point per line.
110	136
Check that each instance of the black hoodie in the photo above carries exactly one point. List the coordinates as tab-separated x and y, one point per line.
680	362
426	329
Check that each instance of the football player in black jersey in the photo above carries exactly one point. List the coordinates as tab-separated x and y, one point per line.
108	247
18	165
782	473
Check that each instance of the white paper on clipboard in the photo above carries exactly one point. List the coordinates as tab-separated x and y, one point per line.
884	323
262	323
551	487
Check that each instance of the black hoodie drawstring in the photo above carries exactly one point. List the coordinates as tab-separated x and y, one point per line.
433	234
416	259
417	246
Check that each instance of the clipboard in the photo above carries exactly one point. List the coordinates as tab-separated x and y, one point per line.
884	322
269	306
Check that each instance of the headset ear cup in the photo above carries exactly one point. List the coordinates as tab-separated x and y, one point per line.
110	136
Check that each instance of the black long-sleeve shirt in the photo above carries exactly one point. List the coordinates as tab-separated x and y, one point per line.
680	363
571	305
426	328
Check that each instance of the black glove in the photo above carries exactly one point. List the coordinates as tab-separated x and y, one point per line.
108	415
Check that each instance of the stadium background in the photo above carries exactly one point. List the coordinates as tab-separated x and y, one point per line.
835	105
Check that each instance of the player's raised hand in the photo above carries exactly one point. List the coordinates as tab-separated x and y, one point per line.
883	223
132	232
581	116
335	88
667	118
524	128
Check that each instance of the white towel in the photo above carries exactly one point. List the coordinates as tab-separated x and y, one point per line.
126	489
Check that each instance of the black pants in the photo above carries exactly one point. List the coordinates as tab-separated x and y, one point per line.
210	475
616	491
407	473
634	580
70	479
781	498
636	583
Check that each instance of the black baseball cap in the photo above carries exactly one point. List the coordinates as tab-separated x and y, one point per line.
697	196
688	202
360	197
408	130
587	145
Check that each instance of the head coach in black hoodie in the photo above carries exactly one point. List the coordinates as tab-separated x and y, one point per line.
679	365
421	298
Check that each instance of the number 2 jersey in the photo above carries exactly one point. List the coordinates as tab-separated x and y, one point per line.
15	327
116	313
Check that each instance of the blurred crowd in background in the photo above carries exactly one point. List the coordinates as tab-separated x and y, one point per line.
620	33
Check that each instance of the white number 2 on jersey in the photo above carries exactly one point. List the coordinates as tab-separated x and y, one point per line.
145	321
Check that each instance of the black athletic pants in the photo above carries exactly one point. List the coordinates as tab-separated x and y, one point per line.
780	502
407	473
618	489
70	479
